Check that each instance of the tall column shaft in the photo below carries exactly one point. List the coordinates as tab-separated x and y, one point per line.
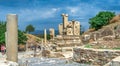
6	41
60	29
45	36
12	37
65	22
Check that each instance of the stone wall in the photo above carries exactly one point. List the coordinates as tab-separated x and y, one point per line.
67	42
97	57
109	30
68	39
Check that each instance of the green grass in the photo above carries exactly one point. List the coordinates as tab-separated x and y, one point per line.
117	48
88	46
101	47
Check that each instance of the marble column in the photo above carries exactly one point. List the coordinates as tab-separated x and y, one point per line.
6	41
45	36
12	37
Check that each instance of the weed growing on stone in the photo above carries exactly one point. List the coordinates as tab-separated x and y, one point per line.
88	46
117	48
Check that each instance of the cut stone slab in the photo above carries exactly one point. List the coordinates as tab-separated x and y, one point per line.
115	62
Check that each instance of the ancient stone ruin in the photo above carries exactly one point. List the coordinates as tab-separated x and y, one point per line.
12	37
69	35
69	27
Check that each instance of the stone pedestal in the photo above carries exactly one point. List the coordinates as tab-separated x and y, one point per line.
12	37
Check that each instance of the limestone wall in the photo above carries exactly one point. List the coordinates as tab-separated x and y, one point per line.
97	57
67	42
108	30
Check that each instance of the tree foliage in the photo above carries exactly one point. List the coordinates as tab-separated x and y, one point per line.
2	32
30	28
21	36
101	19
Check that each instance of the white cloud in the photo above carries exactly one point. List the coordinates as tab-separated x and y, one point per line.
73	10
83	10
27	15
55	9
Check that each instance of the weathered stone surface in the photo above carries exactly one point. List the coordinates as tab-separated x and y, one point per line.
69	27
64	41
45	36
56	55
108	38
12	37
115	62
21	47
115	19
94	56
47	53
106	32
107	42
52	33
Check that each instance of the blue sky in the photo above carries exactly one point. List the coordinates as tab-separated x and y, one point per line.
47	13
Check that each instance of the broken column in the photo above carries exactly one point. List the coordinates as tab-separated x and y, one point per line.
65	20
60	27
12	38
45	36
65	23
52	33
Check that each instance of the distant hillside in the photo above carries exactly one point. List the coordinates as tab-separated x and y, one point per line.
33	39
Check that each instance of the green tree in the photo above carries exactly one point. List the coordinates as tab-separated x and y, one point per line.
48	36
22	38
101	19
30	28
2	32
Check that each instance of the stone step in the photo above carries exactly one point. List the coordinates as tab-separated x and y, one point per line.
69	45
63	49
